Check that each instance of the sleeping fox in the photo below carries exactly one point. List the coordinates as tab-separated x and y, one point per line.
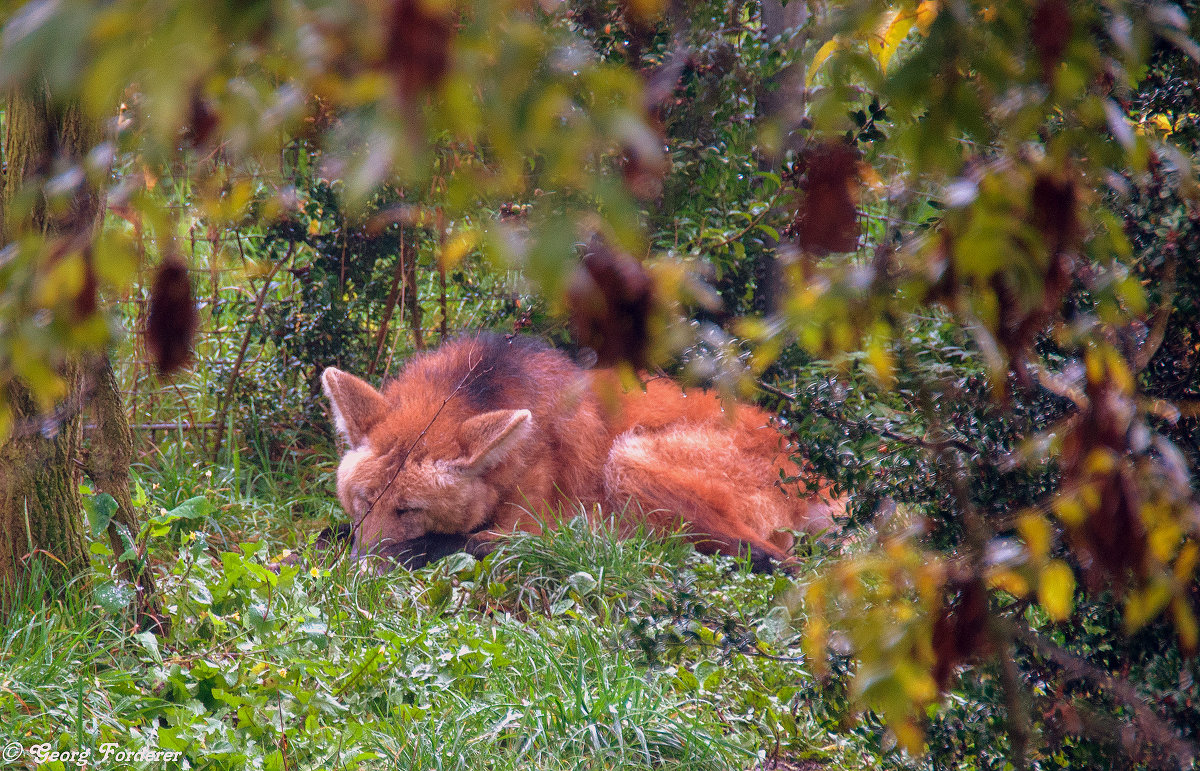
491	433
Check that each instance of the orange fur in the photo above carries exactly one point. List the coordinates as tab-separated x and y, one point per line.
490	434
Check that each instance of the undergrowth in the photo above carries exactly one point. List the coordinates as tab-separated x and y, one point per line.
574	649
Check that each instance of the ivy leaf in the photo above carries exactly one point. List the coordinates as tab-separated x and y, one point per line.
114	597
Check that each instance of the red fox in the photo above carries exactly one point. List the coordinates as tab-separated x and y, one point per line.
491	434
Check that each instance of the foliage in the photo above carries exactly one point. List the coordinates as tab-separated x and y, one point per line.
372	83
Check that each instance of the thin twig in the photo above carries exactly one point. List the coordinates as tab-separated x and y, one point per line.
388	309
235	373
403	458
767	209
1162	315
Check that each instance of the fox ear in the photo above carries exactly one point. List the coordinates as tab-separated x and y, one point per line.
356	405
490	438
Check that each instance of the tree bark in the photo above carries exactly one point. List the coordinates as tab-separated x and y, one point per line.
39	495
40	508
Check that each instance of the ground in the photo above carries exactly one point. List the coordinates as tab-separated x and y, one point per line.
571	650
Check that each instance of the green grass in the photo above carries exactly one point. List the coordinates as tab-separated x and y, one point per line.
573	649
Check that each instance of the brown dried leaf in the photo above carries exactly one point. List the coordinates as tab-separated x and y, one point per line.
827	218
609	301
1112	537
418	44
1054	211
644	167
959	631
171	324
202	119
1050	30
86	300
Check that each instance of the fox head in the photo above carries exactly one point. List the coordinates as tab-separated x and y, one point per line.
412	471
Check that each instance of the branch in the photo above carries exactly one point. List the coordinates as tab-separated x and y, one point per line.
1162	315
934	445
1157	732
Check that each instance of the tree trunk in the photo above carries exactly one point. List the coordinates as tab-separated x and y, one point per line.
40	510
39	494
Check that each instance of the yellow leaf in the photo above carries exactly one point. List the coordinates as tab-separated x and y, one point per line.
367	88
63	281
44	383
1035	531
1100	461
457	247
1069	510
1089	496
1141	605
647	10
1164	540
114	258
1094	367
916	681
1185	623
1010	581
881	362
927	11
890	34
1161	122
1185	566
909	735
823	53
314	227
238	199
1056	590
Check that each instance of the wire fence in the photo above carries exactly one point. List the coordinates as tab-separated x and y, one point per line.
233	294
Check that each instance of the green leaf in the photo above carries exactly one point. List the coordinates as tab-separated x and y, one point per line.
150	643
459	562
100	510
193	508
114	597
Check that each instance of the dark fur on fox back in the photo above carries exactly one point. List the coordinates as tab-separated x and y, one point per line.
491	376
